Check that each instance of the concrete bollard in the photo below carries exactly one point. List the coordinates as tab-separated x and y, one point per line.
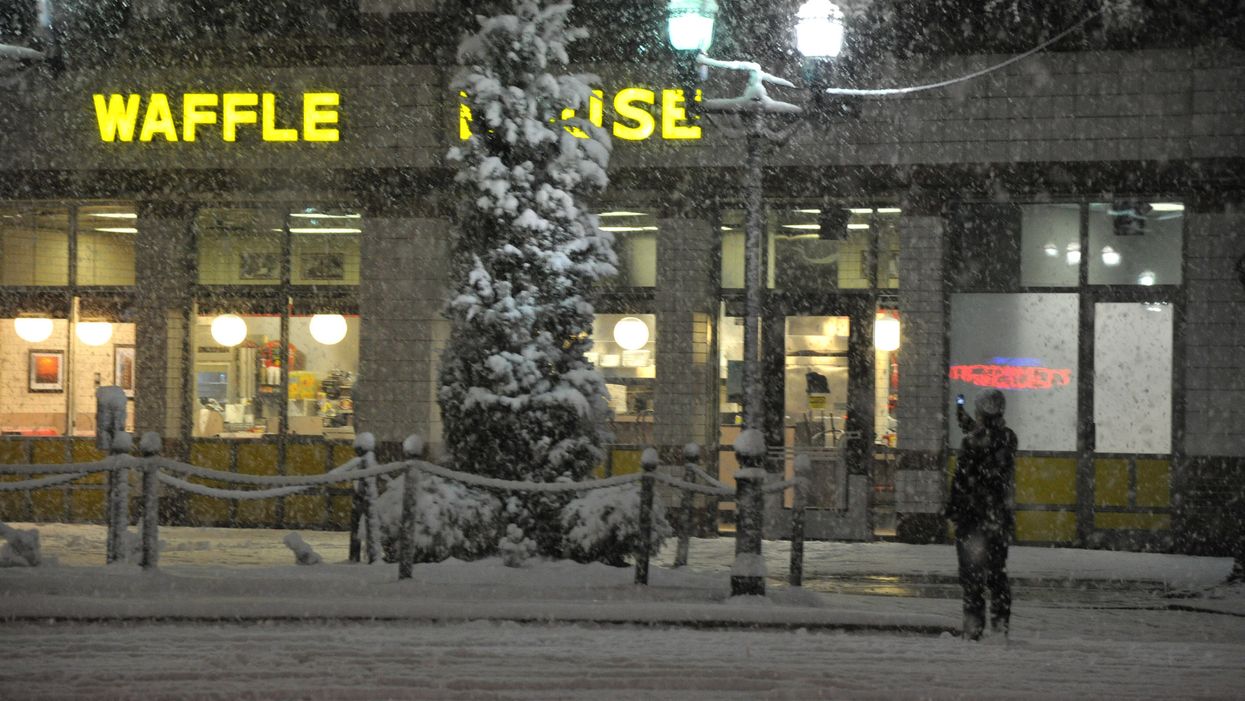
149	447
118	498
412	449
648	461
748	571
691	458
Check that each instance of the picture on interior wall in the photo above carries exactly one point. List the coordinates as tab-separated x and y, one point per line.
259	266
123	369
47	371
324	266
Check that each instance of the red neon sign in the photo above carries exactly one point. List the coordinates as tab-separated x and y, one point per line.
1011	376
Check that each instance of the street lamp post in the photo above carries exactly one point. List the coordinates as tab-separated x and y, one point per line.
819	35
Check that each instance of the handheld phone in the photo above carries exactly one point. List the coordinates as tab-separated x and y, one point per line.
959	399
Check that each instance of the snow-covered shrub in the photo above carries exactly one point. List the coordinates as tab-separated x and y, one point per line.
518	398
604	525
451	520
515	547
21	548
304	554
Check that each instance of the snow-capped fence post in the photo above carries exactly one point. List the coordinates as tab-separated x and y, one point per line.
118	497
367	495
799	501
748	571
648	461
691	457
149	447
359	508
413	449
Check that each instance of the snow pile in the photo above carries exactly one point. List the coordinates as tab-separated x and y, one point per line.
304	554
516	548
451	519
604	525
21	547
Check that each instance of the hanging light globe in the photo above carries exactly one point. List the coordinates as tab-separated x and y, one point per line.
33	329
819	29
690	24
631	333
229	330
886	333
94	333
328	329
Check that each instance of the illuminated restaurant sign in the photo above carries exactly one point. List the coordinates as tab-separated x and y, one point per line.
156	116
1012	373
638	114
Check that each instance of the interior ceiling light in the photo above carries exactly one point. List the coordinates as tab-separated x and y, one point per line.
323	230
858	226
807	211
117	229
1110	256
229	330
94	333
631	333
321	215
1146	278
1051	250
889	210
628	228
621	213
115	215
804	227
328	329
1074	254
34	329
861	210
1167	206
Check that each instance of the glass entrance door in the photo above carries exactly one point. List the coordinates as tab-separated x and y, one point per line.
815	403
1131	434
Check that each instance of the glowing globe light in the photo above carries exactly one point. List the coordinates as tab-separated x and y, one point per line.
631	333
328	329
94	333
33	329
886	333
819	29
229	330
690	24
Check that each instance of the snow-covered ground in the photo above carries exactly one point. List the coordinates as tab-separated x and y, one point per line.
228	615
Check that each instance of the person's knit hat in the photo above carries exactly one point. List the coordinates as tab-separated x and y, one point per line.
991	403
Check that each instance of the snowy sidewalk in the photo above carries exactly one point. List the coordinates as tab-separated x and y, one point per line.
230	574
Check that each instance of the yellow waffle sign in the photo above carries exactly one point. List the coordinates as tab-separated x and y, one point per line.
161	117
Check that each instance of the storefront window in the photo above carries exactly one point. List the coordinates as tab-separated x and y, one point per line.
50	369
1026	346
34	244
325	246
1135	242
635	243
239	246
1050	253
1133	377
106	235
816	248
624	349
322	374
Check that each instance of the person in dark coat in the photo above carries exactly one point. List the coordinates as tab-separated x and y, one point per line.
981	508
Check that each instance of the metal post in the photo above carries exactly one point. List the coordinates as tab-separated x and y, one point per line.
799	500
691	456
754	275
648	461
748	572
413	448
358	498
149	447
118	498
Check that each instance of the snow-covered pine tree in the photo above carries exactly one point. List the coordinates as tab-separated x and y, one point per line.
518	399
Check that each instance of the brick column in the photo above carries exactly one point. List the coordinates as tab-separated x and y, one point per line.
685	395
922	414
164	270
401	331
1207	479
